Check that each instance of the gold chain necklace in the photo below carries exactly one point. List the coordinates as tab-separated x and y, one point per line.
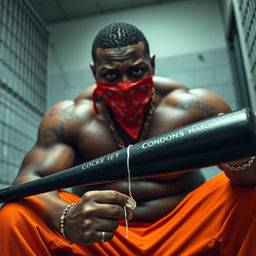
144	131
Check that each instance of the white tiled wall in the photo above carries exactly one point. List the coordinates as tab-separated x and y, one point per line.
23	82
212	71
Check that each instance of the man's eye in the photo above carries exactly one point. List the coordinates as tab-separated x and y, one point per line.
111	75
137	71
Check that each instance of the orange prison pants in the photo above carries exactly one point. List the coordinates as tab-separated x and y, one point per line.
217	218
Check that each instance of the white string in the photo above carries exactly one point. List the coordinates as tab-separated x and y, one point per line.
131	203
126	222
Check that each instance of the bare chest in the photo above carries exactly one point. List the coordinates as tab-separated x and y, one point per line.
96	139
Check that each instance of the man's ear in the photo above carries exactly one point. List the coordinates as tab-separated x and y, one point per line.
93	69
152	62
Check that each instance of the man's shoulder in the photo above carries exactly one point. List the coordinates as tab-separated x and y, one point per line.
192	101
80	109
68	112
62	122
66	107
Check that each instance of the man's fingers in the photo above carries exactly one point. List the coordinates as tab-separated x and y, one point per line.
105	236
90	237
98	223
110	211
106	197
106	224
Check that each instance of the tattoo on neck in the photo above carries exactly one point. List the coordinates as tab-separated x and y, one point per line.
195	104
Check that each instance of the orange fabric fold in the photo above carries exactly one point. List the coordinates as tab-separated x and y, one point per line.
217	218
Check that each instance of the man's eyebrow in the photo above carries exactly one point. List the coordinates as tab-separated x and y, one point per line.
106	68
133	65
138	64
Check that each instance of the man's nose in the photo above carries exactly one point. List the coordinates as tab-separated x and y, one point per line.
124	77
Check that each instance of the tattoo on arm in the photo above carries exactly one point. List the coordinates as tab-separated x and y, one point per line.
51	134
195	104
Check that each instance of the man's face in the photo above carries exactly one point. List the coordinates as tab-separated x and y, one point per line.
125	63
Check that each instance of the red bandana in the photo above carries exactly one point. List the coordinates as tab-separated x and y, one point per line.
128	101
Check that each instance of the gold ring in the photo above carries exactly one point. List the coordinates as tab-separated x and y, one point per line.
103	236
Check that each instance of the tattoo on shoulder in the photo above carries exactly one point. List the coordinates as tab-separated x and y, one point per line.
195	104
58	133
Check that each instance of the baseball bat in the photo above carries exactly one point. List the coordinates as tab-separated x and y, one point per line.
204	143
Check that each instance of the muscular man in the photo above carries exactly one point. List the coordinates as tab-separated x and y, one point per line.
175	214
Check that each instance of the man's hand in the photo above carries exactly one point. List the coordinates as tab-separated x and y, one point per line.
95	213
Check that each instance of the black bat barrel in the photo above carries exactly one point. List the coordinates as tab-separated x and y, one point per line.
208	142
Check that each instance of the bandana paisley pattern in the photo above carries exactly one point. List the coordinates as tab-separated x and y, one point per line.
128	101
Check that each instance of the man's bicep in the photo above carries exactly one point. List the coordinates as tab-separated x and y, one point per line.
50	154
